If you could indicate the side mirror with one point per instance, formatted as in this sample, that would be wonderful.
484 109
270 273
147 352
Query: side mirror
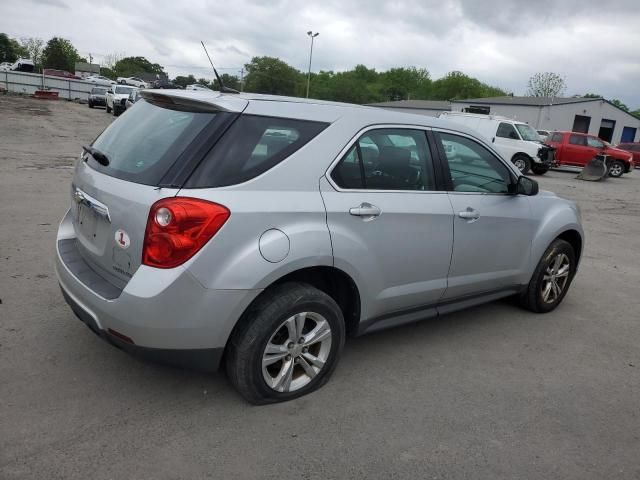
526 186
493 140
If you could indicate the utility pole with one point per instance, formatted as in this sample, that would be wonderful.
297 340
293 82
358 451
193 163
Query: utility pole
90 59
312 35
241 80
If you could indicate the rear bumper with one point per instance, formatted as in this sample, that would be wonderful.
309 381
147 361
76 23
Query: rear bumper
166 313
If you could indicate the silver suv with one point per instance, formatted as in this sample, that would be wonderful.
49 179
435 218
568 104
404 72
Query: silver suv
263 230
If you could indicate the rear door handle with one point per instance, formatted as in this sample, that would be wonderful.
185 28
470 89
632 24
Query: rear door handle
365 210
469 214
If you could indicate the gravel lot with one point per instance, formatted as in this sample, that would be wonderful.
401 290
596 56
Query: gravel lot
492 392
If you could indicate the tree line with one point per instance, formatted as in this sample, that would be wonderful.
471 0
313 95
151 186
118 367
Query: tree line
271 75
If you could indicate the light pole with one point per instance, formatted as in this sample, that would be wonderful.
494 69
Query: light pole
312 35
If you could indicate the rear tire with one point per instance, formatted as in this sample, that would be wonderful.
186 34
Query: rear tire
539 169
90 105
617 169
551 279
522 163
107 108
264 361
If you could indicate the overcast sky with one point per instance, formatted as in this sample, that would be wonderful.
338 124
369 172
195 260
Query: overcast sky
595 45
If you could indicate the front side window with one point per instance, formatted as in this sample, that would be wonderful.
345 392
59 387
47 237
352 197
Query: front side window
594 142
506 130
527 132
473 168
578 140
251 146
556 138
387 159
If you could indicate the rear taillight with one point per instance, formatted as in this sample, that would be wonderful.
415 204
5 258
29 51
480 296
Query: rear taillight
178 227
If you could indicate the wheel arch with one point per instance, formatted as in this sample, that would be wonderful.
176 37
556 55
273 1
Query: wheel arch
331 280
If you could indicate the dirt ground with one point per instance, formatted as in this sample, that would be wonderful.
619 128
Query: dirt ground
492 392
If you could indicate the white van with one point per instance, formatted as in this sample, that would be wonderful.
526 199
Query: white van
515 141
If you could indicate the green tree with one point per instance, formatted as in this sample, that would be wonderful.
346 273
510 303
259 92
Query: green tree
10 49
183 81
272 75
132 66
405 83
636 113
591 95
619 104
545 84
230 81
59 53
457 85
32 46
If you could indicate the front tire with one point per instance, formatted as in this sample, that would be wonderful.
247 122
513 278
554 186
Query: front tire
107 108
286 345
539 169
522 163
551 278
617 169
90 105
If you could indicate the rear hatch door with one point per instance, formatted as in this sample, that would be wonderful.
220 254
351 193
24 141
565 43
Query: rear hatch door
150 151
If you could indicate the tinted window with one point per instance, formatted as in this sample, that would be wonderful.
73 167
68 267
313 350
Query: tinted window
578 140
474 168
556 137
251 146
387 159
144 143
506 130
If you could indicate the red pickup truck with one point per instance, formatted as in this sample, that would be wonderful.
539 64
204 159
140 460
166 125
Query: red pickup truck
577 149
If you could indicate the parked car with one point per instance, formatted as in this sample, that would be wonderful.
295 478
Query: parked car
23 65
163 83
133 98
577 149
100 80
98 97
5 66
634 149
117 97
60 73
133 81
196 86
276 235
515 141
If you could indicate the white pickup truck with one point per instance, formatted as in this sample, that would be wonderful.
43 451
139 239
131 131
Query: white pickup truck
133 81
116 98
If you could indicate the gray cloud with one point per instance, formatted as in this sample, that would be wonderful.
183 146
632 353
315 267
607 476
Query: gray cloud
502 42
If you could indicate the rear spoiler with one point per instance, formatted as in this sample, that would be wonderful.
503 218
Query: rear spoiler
195 101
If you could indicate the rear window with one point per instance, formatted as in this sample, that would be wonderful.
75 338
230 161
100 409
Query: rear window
127 90
251 146
143 144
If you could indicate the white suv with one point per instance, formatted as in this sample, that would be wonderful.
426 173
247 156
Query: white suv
515 141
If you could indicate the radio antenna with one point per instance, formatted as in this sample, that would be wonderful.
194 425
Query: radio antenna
223 89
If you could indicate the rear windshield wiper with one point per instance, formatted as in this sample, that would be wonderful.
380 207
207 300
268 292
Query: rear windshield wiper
100 157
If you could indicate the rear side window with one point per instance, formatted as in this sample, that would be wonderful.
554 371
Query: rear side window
578 140
556 137
143 144
251 146
387 159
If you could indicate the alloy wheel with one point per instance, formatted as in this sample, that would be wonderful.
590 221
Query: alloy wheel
296 352
555 279
616 170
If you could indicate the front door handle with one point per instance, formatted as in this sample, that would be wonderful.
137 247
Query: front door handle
365 210
469 214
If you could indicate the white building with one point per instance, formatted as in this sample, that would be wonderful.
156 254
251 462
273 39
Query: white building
587 115
595 116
